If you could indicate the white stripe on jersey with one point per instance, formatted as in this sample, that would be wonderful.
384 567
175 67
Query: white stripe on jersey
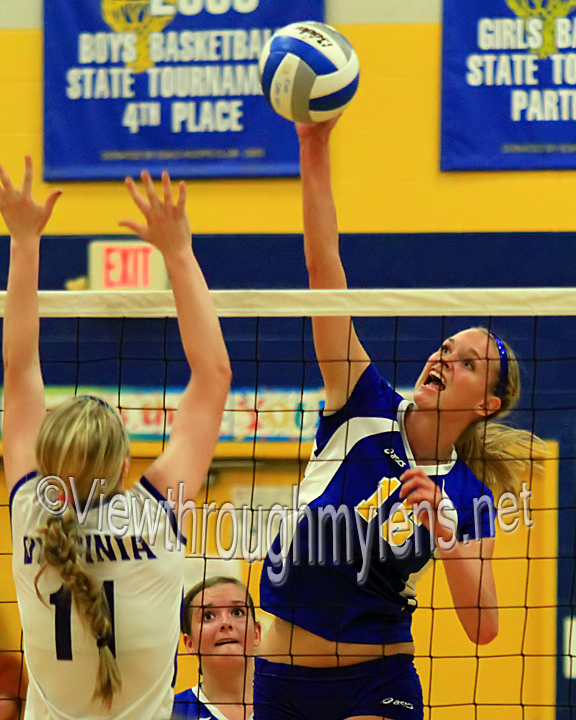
432 469
322 468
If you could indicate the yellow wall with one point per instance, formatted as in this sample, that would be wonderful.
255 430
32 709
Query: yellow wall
385 157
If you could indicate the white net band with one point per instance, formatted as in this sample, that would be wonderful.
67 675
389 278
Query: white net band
471 302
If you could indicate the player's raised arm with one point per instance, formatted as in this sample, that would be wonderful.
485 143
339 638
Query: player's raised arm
197 421
341 356
24 405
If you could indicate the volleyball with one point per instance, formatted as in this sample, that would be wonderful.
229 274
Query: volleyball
309 72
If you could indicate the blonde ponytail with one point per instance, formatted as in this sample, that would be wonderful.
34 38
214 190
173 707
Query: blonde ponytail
499 454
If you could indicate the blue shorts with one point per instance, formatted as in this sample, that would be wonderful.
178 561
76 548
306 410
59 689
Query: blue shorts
387 687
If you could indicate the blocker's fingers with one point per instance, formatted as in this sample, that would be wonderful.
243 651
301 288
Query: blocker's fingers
182 196
149 187
168 200
134 227
5 180
28 174
51 201
137 196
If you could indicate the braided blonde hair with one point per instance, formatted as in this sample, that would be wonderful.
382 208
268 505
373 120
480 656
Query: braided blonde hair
498 454
84 439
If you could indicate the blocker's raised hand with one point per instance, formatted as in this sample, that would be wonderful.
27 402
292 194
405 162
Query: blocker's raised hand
24 217
167 226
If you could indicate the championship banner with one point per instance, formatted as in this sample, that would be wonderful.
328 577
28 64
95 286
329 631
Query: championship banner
509 85
163 85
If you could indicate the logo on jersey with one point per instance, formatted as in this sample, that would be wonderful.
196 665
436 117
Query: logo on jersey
391 701
397 460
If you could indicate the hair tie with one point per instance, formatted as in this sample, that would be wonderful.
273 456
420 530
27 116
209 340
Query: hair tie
503 376
102 641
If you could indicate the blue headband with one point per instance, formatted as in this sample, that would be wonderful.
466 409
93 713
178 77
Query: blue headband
503 376
97 399
108 406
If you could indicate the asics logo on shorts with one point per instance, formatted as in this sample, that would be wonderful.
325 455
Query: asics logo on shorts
391 701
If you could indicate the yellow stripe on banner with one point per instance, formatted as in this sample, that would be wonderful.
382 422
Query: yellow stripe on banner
231 450
237 450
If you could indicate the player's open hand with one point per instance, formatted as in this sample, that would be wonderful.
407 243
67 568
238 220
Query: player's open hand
24 218
167 226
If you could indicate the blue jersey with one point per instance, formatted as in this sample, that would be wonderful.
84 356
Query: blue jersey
344 565
192 704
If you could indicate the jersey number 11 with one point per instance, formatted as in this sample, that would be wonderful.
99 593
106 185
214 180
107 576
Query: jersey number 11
62 601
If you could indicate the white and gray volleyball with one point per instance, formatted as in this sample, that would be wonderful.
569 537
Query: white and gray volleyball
309 72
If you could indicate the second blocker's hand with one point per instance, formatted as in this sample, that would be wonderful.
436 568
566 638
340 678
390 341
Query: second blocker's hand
24 217
167 228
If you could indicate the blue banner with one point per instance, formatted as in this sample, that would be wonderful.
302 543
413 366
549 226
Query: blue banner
163 84
509 85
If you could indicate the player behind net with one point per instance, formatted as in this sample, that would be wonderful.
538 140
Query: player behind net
99 600
340 644
219 625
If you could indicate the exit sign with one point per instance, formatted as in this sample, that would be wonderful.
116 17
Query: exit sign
125 265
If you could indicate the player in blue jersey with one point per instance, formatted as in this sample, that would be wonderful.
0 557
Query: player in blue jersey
219 625
388 482
99 591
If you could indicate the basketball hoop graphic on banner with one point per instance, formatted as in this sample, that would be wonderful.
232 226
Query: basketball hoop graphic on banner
133 17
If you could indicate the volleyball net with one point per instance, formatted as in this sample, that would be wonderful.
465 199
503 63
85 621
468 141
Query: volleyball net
125 347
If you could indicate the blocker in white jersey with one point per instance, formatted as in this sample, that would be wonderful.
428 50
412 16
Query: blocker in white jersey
142 578
98 567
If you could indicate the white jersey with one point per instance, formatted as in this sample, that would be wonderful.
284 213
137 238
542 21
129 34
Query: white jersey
142 574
